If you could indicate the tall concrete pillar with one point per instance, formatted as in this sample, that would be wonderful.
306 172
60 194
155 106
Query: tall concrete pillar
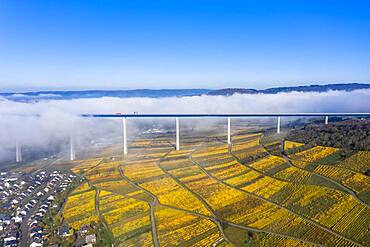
72 153
326 120
278 125
228 130
18 152
124 136
177 133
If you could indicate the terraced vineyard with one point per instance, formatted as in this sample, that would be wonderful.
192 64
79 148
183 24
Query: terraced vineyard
212 194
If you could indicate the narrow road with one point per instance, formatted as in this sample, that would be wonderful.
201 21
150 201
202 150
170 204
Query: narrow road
277 205
152 205
25 239
347 190
97 210
222 221
216 220
289 161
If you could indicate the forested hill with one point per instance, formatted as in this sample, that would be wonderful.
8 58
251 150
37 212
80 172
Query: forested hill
309 88
350 134
160 93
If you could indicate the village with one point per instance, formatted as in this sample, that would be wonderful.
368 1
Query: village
28 204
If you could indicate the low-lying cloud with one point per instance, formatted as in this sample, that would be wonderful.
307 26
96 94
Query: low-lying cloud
57 119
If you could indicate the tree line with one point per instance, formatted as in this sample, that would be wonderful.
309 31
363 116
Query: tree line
349 134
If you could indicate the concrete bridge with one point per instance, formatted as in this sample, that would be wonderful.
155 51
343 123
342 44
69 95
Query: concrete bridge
227 116
177 118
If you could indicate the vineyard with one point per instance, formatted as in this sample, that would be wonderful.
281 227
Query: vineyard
80 209
212 194
128 219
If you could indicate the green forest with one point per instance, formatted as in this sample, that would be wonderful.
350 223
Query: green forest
349 134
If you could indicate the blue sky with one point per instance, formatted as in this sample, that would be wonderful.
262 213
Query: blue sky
125 44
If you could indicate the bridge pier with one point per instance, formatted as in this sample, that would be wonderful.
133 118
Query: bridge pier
228 130
326 120
72 153
124 136
278 125
18 152
177 133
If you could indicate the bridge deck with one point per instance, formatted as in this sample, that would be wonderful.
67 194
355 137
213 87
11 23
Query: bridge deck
226 115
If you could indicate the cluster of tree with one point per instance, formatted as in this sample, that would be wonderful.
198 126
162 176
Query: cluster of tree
349 134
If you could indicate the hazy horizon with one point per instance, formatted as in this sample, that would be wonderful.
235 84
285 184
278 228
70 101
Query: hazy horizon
24 90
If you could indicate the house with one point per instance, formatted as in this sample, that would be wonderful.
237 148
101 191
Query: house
90 239
36 229
36 235
85 228
34 223
64 231
40 214
7 206
11 243
35 244
6 219
11 179
10 238
17 219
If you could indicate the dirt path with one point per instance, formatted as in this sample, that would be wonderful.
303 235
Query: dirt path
347 190
344 188
101 217
214 218
277 205
223 221
152 205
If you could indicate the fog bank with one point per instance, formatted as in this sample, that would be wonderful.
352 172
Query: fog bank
59 118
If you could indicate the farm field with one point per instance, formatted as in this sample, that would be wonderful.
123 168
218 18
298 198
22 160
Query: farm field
212 194
79 209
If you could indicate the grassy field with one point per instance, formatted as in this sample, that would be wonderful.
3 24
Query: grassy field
211 194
